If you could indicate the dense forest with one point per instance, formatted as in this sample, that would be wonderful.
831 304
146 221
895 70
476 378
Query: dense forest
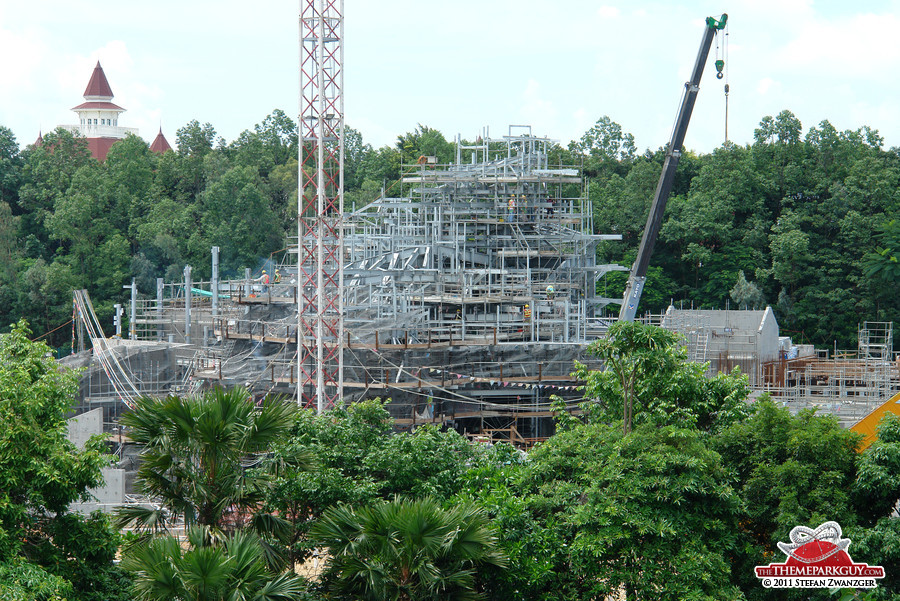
804 223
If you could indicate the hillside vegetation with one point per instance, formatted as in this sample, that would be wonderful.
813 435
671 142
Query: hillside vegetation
805 223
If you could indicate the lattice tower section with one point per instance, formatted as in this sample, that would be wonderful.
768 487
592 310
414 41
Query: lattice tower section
320 204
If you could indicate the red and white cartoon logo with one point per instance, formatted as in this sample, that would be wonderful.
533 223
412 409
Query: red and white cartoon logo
818 559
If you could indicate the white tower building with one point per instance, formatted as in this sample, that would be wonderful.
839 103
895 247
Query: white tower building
99 117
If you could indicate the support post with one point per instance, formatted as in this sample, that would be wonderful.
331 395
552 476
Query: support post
214 284
159 308
132 311
117 320
187 304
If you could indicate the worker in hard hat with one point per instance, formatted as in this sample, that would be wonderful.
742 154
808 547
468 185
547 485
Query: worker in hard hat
527 311
264 280
277 277
550 292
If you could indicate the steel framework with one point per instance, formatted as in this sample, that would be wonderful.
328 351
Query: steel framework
320 205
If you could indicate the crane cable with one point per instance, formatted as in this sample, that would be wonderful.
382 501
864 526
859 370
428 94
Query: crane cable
722 72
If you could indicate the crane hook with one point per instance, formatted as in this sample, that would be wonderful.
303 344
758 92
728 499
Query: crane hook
720 64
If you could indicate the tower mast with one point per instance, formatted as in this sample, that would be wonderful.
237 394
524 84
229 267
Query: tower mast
320 205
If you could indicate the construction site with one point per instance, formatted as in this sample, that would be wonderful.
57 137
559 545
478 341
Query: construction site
465 298
466 302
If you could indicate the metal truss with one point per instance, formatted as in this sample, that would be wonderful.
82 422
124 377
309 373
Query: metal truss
320 205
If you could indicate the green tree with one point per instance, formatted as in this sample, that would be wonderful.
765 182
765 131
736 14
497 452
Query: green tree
194 458
879 545
877 485
10 255
425 141
236 217
281 187
647 378
24 581
382 167
164 233
46 178
358 461
10 167
790 251
780 151
535 548
746 294
652 513
883 264
207 570
790 470
129 179
621 205
630 351
408 550
41 473
719 228
605 147
194 142
355 153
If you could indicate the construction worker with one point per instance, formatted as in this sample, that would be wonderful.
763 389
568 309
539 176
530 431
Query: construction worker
277 277
527 312
264 280
550 292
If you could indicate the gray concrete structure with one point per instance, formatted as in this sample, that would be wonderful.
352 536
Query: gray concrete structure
112 493
728 339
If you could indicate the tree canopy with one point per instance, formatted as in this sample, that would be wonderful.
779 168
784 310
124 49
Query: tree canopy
59 554
794 213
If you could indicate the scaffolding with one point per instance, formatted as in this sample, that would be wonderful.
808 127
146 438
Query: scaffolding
466 299
849 384
472 291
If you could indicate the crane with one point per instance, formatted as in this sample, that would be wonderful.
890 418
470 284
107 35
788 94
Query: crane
638 275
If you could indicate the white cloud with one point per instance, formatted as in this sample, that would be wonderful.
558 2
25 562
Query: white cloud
764 85
862 46
608 12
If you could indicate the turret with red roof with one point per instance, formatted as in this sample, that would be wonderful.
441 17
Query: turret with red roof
99 118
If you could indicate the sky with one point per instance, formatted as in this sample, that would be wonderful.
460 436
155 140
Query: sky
460 66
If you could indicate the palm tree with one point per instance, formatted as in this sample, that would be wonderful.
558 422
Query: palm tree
205 459
233 569
408 550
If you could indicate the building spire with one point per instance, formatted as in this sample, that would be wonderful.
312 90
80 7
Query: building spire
98 87
160 144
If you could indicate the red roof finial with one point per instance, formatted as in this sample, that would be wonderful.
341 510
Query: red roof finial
98 86
160 144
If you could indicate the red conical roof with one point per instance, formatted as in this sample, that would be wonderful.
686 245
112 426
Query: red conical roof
160 144
98 85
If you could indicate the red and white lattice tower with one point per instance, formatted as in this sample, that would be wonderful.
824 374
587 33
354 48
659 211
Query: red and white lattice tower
321 204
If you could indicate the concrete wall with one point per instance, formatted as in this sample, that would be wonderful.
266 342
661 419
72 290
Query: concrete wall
744 339
112 493
82 427
768 337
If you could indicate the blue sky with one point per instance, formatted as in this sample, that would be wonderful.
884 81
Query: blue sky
459 66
